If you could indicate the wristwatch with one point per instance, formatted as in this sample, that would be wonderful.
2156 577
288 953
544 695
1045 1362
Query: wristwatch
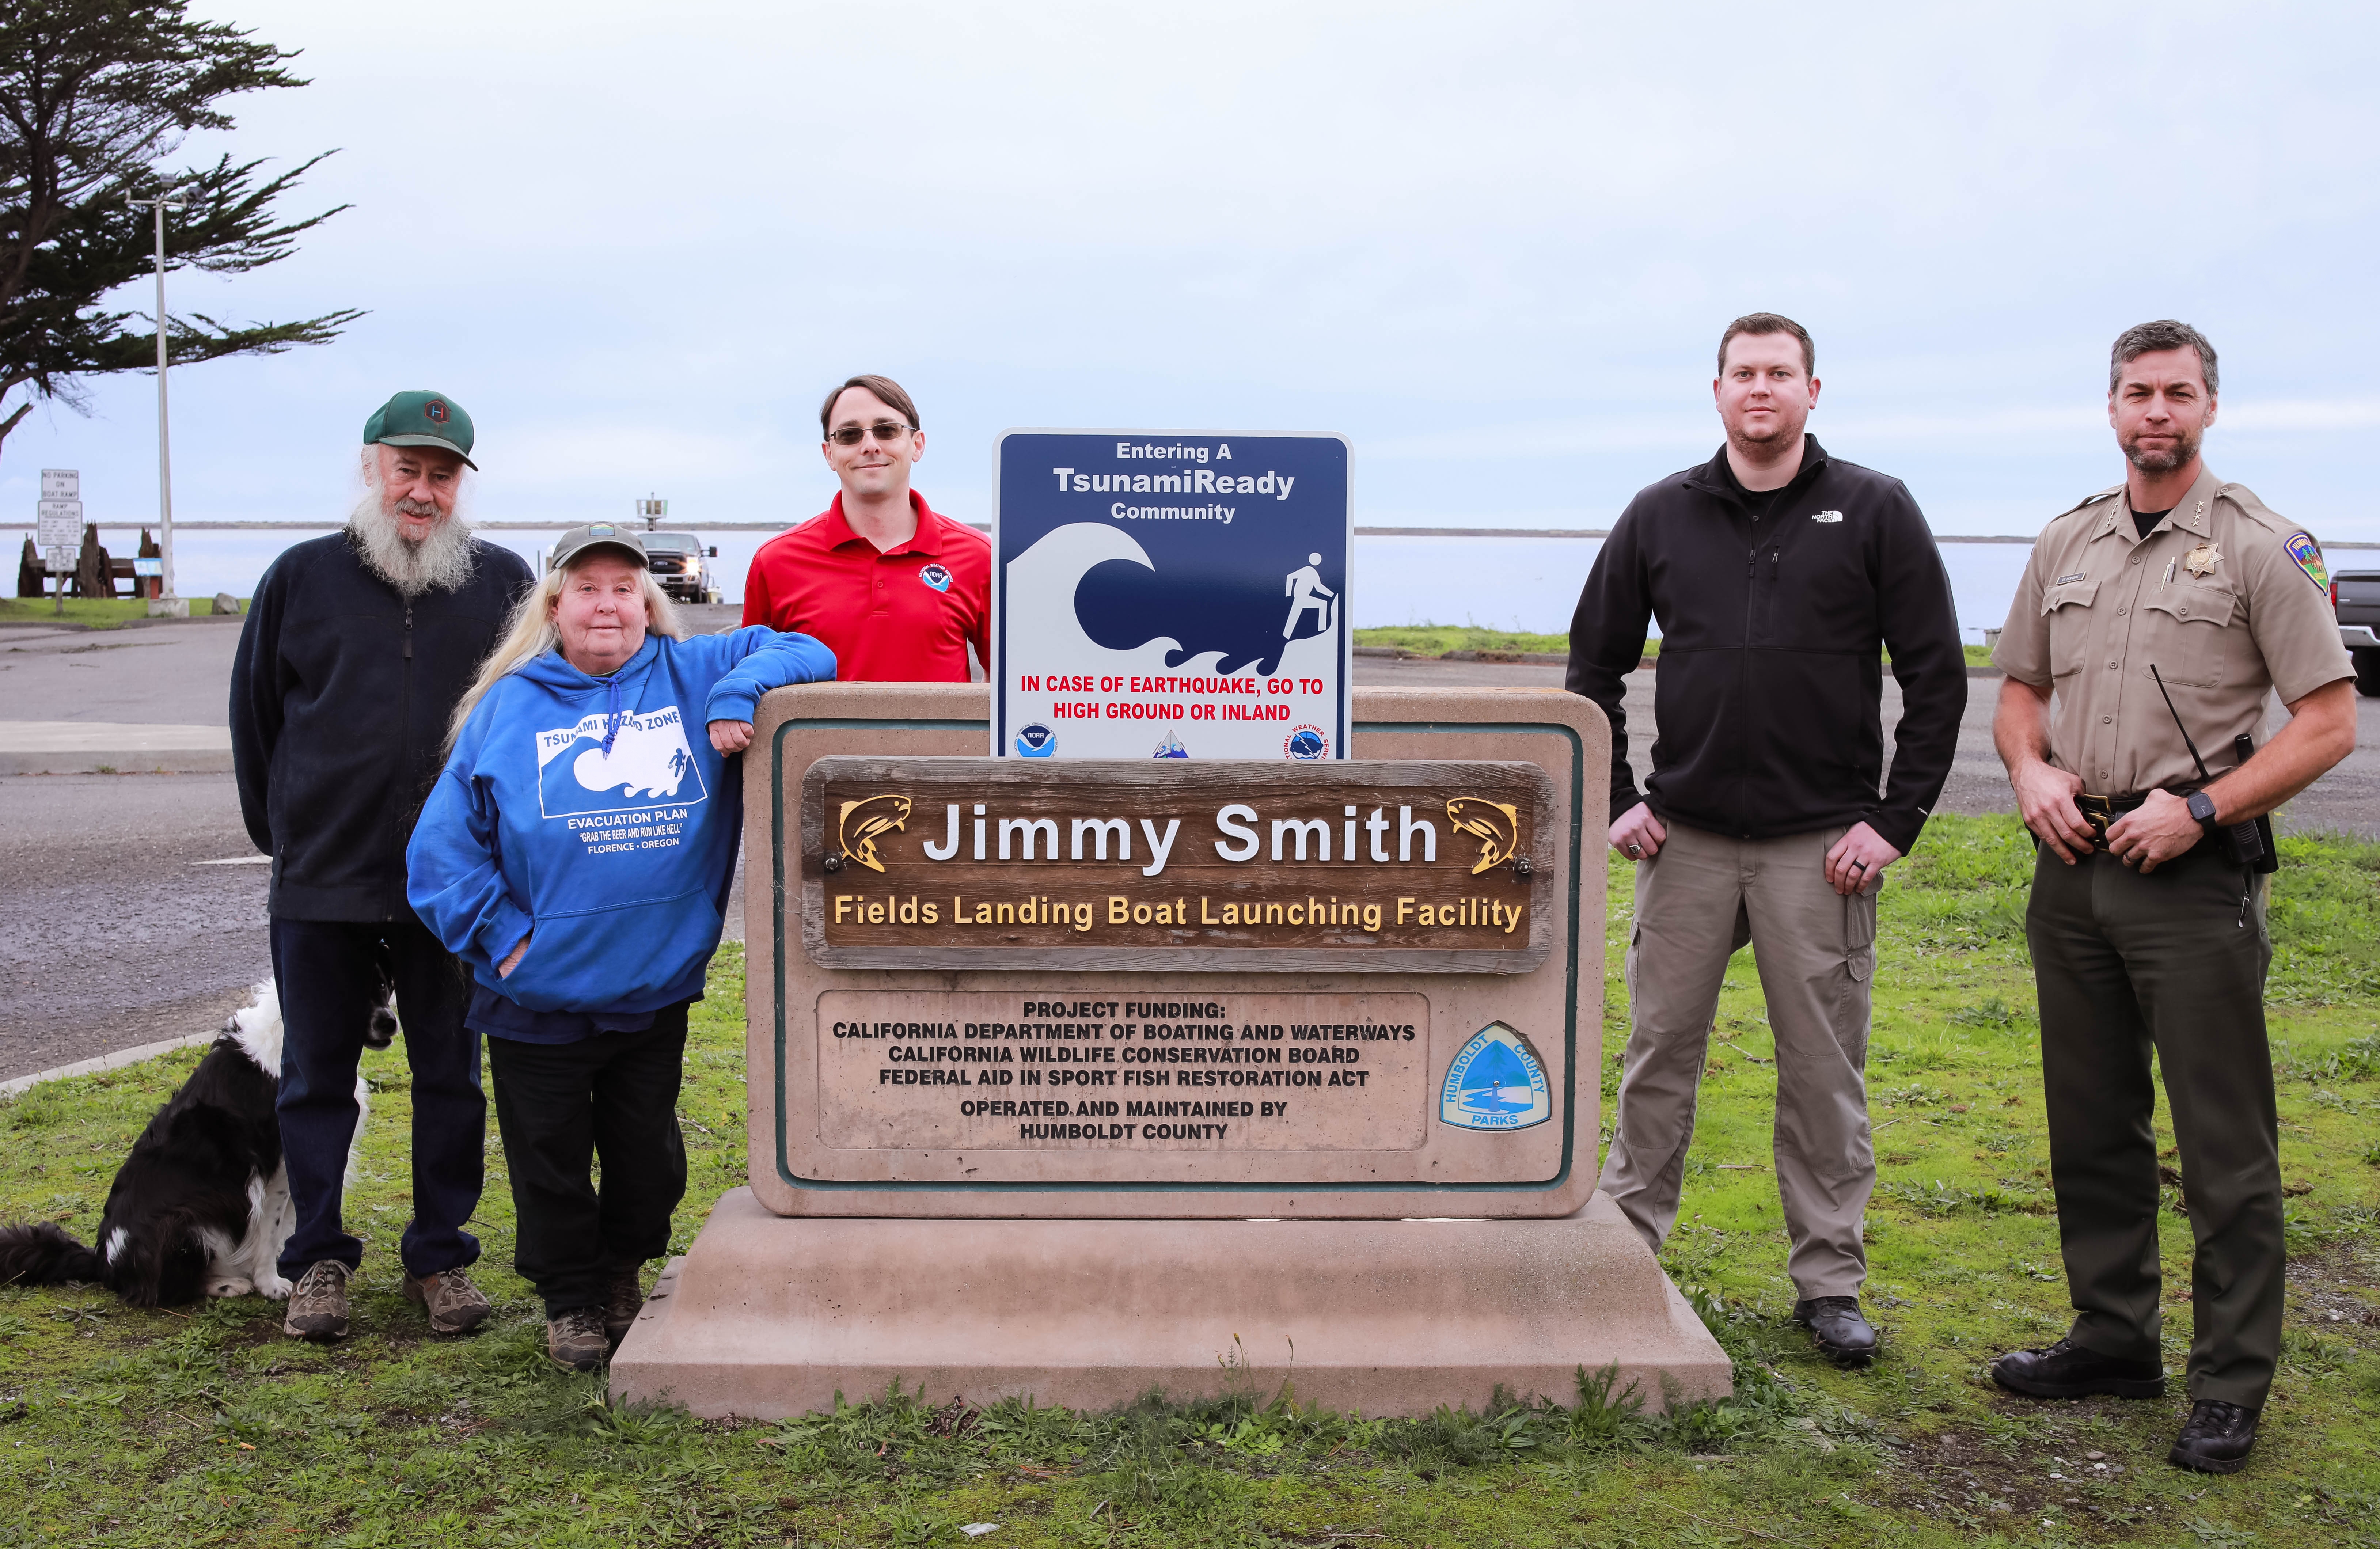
2202 808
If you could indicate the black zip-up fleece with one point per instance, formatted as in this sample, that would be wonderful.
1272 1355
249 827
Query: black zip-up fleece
1773 632
340 695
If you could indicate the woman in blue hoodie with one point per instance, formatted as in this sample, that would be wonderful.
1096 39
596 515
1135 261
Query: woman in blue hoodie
576 853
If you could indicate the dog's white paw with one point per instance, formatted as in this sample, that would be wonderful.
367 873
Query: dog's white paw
229 1286
274 1287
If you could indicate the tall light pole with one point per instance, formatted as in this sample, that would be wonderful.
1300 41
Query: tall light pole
161 203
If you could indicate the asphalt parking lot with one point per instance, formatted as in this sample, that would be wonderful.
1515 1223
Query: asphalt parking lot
132 905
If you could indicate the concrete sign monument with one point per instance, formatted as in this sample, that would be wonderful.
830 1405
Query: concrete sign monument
1171 593
1074 1078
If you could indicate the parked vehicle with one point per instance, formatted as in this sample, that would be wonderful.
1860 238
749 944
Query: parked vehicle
2355 598
677 560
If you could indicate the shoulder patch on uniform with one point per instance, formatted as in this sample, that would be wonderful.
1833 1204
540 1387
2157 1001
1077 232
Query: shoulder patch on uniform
2301 546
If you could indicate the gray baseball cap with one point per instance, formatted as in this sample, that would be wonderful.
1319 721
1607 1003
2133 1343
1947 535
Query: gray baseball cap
597 535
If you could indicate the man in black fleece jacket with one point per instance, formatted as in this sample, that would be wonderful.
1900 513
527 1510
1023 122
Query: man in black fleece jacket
355 652
1780 579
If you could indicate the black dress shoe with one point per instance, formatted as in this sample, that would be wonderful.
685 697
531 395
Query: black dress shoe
2067 1371
1842 1334
2216 1438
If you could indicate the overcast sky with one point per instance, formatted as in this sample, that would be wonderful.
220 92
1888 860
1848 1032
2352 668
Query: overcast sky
1493 245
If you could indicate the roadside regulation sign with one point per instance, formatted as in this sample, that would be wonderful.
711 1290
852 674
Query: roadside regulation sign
1171 593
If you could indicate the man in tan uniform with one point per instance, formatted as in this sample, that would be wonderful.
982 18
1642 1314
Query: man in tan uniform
2146 931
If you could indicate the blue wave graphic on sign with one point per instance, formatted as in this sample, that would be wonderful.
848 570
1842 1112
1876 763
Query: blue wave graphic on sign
1123 605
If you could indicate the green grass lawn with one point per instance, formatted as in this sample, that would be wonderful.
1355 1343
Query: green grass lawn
1431 639
97 612
203 1426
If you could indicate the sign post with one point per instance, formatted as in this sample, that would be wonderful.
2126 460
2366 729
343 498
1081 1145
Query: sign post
1171 593
59 516
1084 1077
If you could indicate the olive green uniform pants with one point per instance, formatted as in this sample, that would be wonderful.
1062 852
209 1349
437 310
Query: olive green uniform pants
1697 902
2170 961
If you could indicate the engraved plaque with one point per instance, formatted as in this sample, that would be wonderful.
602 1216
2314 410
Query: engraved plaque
1123 1073
993 862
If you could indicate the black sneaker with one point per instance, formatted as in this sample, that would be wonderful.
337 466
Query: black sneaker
2216 1438
2067 1371
1842 1334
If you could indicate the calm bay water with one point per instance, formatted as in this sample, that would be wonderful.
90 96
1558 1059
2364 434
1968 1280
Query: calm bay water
1495 582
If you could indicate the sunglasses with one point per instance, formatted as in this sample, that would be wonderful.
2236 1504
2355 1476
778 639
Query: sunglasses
886 430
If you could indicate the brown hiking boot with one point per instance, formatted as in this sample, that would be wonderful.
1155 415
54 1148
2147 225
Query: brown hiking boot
623 1299
317 1304
576 1339
455 1306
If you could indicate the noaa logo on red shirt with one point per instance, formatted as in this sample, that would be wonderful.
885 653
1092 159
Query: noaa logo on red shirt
936 576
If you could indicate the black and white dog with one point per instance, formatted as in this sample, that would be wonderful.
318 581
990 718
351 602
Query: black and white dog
202 1204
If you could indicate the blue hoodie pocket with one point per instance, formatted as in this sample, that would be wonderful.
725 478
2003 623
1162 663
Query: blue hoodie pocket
634 957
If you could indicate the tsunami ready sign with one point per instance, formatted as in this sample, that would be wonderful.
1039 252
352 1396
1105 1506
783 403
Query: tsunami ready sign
1171 593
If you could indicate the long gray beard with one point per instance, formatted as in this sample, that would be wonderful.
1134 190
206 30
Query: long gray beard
441 561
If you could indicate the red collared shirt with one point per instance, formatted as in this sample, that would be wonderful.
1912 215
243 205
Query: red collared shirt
905 615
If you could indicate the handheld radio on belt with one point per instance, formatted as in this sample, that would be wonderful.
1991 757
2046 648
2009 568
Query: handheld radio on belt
2248 844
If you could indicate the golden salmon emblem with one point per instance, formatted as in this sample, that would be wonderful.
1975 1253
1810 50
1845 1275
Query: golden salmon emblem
1496 825
878 816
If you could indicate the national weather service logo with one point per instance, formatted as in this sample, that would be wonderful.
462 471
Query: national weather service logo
936 576
1496 825
862 823
1496 1083
1306 744
1036 740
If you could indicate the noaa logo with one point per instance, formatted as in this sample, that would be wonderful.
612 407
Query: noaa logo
434 412
1306 744
1496 1083
1036 742
936 576
1170 746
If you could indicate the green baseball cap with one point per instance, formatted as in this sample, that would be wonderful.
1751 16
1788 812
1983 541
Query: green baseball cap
421 418
597 535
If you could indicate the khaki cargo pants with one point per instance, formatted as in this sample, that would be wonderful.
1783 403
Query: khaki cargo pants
1698 900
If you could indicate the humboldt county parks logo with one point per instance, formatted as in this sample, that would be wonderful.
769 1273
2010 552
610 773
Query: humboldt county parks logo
1496 1083
1306 744
861 824
2301 546
1496 825
1036 740
936 576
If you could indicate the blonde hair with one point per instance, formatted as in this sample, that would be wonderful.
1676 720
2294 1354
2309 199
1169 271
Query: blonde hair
531 632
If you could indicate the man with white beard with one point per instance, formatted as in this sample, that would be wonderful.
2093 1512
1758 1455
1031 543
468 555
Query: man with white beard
355 651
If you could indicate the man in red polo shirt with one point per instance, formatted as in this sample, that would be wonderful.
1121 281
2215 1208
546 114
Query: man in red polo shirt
896 591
